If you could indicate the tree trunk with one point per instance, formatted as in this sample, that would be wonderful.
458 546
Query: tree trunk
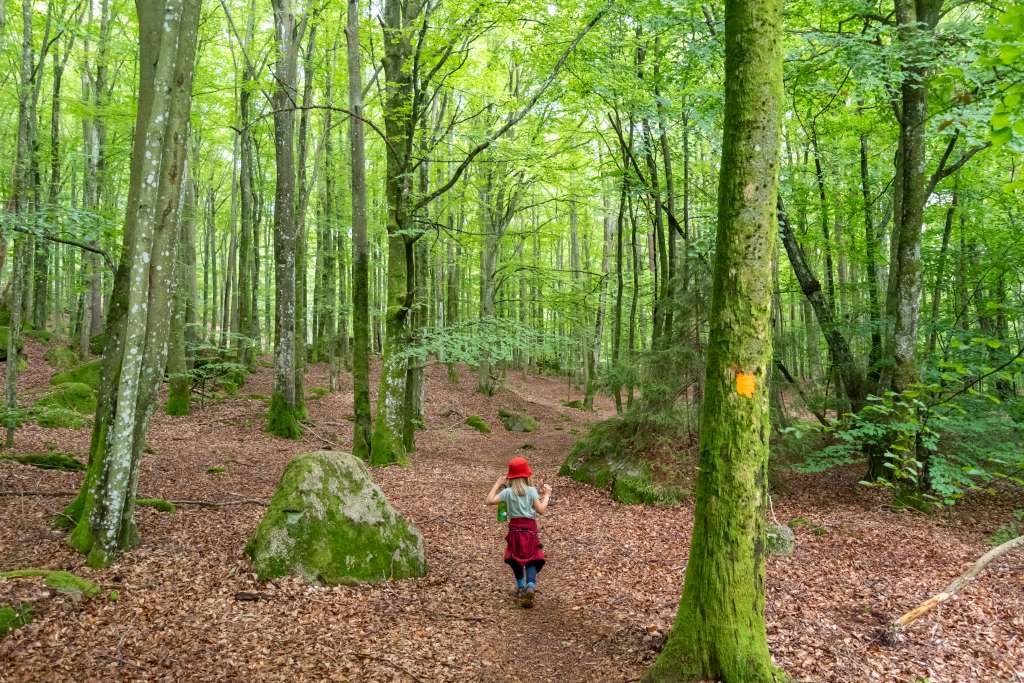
136 351
179 393
360 245
285 410
719 631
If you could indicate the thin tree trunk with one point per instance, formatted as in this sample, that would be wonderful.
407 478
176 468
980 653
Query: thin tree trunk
363 427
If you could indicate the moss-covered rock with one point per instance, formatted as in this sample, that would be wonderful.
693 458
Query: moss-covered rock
4 334
59 580
61 357
51 460
317 392
479 424
87 373
60 418
634 458
779 539
329 523
14 617
517 422
75 396
97 342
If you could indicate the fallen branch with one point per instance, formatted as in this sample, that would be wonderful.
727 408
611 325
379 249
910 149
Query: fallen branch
308 428
201 503
958 584
216 504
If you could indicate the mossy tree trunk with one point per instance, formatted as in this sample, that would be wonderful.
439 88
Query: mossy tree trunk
360 245
399 16
719 631
179 394
285 408
138 322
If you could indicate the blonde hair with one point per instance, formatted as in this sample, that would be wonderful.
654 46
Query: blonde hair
519 485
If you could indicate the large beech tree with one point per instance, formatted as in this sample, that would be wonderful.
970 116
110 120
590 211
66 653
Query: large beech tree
139 318
719 631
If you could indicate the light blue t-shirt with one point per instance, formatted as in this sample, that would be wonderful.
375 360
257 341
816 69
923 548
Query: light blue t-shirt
520 506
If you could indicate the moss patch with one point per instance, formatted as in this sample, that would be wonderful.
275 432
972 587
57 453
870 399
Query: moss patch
59 580
576 404
479 424
636 456
517 422
75 396
61 357
60 418
281 420
329 523
51 460
215 470
97 342
4 334
14 617
317 392
87 373
43 336
158 504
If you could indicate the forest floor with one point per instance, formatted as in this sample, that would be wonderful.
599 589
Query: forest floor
606 597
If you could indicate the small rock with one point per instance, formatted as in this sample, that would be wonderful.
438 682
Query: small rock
779 539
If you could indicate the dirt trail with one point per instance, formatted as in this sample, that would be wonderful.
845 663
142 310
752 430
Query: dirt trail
606 596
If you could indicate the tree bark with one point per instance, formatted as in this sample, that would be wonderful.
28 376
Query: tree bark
285 408
719 631
360 245
136 350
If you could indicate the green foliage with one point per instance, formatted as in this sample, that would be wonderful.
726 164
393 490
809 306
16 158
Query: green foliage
317 392
59 580
939 440
41 336
48 460
1006 59
501 339
71 395
479 424
87 373
215 470
14 616
157 504
61 357
1008 531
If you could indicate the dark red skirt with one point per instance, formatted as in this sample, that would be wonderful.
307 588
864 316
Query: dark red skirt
522 543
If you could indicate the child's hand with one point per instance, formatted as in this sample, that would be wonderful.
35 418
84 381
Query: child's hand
547 489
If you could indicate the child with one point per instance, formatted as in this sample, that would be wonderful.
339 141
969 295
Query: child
523 550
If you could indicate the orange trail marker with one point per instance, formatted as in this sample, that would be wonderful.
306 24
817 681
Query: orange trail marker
745 383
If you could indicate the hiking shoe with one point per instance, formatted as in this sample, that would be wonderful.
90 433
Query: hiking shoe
526 601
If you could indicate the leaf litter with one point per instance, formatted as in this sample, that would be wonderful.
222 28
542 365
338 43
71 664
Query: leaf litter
185 604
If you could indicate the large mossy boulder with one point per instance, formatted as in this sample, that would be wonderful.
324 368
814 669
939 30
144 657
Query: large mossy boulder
517 422
75 396
87 373
330 524
634 456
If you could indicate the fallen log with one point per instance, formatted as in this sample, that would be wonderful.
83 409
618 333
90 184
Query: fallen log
959 583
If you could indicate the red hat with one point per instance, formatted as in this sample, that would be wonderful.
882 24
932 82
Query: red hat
518 467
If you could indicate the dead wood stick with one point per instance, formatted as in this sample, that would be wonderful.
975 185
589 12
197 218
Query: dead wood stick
201 503
957 584
309 428
45 494
220 504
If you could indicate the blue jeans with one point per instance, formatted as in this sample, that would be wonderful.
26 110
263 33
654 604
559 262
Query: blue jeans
530 574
